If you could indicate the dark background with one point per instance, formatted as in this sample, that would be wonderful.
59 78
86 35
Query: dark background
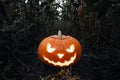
24 25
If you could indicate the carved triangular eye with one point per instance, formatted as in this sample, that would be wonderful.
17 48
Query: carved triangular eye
71 49
49 48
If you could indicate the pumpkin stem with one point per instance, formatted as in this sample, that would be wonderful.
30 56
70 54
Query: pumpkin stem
59 34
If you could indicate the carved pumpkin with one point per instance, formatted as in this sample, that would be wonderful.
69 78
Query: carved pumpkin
59 50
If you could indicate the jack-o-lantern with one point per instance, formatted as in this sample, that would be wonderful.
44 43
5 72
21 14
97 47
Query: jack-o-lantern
59 50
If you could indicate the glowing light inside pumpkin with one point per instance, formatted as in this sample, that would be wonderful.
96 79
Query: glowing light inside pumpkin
65 63
71 49
49 49
60 55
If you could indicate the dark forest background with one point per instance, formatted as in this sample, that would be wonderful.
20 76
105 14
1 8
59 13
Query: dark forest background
95 23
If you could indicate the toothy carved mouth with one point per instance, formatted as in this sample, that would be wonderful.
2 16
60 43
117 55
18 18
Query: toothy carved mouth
65 63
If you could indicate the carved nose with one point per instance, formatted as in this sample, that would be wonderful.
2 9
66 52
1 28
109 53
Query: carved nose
60 55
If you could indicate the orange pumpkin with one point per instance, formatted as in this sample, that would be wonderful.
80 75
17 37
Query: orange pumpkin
59 50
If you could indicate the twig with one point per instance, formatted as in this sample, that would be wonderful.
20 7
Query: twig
20 61
4 77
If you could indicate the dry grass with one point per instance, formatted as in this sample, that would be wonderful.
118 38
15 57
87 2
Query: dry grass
63 74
